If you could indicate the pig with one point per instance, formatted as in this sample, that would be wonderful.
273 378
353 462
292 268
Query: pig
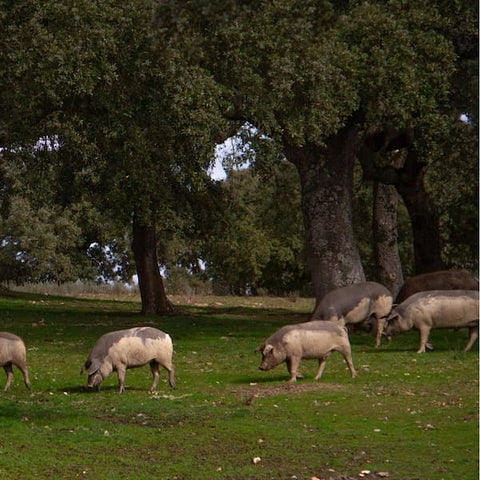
440 280
356 303
436 309
13 352
124 349
309 340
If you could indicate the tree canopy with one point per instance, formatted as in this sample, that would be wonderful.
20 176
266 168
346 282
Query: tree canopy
110 112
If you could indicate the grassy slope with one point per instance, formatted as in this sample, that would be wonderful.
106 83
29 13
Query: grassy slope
413 416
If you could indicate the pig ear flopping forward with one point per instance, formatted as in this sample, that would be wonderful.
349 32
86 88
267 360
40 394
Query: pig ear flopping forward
90 367
264 349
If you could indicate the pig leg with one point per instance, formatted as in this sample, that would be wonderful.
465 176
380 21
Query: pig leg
23 368
292 365
347 355
9 371
473 336
321 367
155 373
380 327
424 333
171 376
121 379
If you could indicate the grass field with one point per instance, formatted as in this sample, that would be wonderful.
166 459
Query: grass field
405 416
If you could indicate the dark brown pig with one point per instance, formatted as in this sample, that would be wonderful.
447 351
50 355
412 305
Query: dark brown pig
310 340
357 303
436 309
13 352
440 280
124 349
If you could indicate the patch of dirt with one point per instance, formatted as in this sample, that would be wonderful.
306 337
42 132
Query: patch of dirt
248 394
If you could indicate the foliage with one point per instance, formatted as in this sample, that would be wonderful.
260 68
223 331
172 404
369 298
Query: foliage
258 241
130 97
224 411
453 180
131 121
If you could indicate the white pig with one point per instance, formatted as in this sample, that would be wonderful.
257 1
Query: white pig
13 352
436 309
309 340
124 349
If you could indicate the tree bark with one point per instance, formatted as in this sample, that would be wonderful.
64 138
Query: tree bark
385 233
424 219
326 176
409 181
150 282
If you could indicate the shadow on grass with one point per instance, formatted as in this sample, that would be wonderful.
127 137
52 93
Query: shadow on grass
92 391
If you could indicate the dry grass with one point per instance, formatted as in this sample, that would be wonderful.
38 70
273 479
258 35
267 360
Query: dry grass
121 292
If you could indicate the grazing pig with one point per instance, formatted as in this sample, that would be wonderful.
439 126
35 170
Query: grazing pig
13 352
124 349
440 280
355 304
436 309
310 340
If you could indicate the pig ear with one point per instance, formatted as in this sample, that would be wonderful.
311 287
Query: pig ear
267 349
92 367
259 349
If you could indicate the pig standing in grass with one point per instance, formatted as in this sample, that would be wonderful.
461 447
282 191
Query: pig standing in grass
13 352
124 349
436 309
355 304
310 340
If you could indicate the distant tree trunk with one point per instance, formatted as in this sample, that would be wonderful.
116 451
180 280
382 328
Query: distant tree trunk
385 233
423 217
150 282
409 182
326 176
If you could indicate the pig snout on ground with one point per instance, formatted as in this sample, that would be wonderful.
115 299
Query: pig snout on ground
13 352
310 340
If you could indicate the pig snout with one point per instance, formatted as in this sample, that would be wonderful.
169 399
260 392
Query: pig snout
94 381
263 367
266 364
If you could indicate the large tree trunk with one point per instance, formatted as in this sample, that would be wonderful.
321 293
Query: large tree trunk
326 176
385 233
424 219
152 291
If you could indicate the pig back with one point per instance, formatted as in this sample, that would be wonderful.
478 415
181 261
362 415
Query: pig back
439 280
11 346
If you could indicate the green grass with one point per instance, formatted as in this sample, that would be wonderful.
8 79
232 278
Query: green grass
413 416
